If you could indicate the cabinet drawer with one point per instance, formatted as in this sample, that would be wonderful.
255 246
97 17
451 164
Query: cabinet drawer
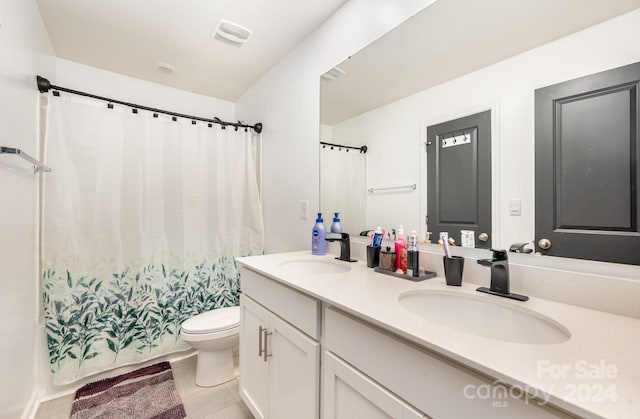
298 309
432 383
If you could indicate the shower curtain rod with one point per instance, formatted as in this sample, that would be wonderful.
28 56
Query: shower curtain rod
44 86
362 149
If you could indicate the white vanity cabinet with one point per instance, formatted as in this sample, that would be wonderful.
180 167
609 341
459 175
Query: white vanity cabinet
367 371
254 370
279 360
341 345
350 394
431 383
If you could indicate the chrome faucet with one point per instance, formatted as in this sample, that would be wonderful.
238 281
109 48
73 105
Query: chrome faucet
345 245
499 265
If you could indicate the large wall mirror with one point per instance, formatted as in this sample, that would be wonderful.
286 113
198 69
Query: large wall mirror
453 59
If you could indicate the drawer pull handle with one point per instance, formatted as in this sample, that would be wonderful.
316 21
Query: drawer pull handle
260 349
262 343
265 355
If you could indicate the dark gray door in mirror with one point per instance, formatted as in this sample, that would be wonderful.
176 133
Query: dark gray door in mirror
587 167
459 178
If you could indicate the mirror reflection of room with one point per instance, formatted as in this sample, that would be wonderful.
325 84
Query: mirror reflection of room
388 94
343 183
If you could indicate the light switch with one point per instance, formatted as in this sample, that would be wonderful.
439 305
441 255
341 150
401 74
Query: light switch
515 207
304 209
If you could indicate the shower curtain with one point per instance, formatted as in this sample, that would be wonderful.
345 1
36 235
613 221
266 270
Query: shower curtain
142 218
342 188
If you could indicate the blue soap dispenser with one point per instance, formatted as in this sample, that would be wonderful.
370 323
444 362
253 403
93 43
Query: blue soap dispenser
319 234
336 226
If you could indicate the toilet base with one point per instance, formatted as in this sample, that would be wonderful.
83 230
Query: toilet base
214 367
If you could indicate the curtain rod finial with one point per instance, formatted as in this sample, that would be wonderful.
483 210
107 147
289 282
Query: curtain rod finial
258 127
43 84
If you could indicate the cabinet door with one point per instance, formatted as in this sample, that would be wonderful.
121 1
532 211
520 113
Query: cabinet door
350 394
294 376
588 167
253 368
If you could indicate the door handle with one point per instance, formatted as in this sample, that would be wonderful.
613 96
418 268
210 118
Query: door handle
544 244
483 237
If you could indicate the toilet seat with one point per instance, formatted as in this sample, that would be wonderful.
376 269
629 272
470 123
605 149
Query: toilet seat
214 321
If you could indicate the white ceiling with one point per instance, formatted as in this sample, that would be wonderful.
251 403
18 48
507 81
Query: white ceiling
451 38
131 36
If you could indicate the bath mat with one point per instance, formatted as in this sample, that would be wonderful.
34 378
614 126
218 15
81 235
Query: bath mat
141 394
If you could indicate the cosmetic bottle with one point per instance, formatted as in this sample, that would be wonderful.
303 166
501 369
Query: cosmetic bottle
336 226
377 237
413 262
401 250
319 234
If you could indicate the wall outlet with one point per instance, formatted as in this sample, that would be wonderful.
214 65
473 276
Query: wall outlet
304 209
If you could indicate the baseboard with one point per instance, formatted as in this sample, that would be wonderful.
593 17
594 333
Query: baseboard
32 406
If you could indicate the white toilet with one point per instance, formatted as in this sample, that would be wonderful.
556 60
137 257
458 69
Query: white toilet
214 333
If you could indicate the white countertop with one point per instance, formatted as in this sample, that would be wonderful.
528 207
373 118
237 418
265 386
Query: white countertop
595 373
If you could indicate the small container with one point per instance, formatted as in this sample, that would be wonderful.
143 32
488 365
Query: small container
373 256
453 267
336 226
388 260
318 236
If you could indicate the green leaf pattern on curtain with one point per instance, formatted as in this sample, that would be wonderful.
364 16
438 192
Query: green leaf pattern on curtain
137 310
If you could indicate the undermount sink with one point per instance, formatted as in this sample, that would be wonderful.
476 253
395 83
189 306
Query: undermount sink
481 315
314 267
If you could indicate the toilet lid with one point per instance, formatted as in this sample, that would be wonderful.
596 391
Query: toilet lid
213 321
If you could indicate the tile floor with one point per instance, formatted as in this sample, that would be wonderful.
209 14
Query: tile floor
219 402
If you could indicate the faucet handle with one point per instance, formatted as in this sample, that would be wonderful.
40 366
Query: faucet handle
499 255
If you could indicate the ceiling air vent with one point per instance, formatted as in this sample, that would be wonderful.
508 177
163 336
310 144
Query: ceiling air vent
232 33
333 74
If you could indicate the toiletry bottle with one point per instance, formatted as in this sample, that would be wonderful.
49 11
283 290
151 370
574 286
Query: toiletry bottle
401 250
413 263
377 237
336 226
318 242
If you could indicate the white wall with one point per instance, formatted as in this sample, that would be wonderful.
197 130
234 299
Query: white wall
510 86
25 51
117 86
287 101
326 133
